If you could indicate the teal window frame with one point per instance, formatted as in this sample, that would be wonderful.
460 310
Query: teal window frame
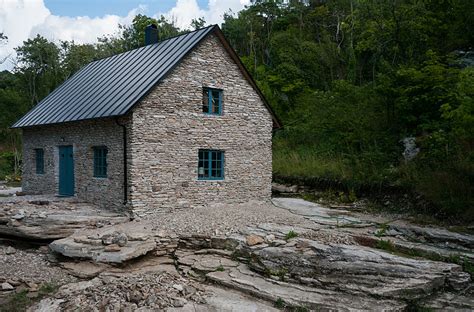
100 161
211 97
211 164
39 159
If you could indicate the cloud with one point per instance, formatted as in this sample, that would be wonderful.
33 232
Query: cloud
23 19
186 10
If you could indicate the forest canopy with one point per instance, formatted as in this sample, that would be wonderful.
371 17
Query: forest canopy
350 79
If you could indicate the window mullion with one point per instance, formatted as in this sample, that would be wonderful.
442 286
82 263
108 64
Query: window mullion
209 172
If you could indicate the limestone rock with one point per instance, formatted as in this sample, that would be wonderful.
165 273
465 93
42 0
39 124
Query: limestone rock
359 269
7 286
59 219
117 238
254 240
312 298
10 250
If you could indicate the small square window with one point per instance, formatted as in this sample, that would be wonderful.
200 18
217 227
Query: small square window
211 165
100 162
212 101
39 157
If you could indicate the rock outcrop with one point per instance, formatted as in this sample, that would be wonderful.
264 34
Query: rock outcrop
51 219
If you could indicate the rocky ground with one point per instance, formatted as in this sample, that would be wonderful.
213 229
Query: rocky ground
287 255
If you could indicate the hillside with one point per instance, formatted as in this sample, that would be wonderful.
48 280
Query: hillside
350 80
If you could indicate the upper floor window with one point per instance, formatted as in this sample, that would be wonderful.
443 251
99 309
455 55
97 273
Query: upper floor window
39 157
211 165
212 101
100 161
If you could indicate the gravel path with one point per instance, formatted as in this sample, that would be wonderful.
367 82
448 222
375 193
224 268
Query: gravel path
224 219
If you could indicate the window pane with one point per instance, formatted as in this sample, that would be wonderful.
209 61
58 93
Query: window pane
205 101
215 102
100 162
39 159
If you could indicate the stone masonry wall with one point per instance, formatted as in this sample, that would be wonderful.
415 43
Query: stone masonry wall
83 135
168 128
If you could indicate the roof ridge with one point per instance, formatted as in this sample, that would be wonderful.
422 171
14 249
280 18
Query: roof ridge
159 42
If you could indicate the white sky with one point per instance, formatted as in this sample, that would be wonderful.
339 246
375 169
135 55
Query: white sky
23 19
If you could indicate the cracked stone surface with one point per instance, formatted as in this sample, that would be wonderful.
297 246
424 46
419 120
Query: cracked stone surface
48 218
94 244
300 253
243 279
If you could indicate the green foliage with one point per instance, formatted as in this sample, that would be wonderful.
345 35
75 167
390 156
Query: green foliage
349 80
7 164
291 234
385 245
280 303
20 301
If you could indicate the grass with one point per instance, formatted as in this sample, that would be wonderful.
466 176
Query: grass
220 269
383 229
466 264
20 301
291 234
280 303
441 189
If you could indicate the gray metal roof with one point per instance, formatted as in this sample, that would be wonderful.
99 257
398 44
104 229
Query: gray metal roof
111 86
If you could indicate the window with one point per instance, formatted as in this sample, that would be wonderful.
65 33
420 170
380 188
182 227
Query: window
39 156
212 101
100 162
211 165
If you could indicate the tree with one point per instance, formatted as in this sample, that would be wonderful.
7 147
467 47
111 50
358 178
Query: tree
39 67
198 23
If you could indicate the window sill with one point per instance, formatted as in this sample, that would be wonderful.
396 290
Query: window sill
211 180
212 114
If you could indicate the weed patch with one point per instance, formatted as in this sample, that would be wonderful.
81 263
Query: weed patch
291 234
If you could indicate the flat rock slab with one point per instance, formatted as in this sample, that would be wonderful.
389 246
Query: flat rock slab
320 214
436 235
48 219
359 269
204 262
134 249
89 244
227 300
451 301
242 279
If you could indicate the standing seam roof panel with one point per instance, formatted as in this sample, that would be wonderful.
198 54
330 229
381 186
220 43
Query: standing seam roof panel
135 77
79 97
135 96
101 83
86 87
144 76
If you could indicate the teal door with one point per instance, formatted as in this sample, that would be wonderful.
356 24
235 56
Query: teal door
66 171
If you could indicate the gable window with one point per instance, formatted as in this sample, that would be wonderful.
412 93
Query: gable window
212 101
211 165
100 161
39 157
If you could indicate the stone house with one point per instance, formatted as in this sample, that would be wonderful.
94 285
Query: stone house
174 124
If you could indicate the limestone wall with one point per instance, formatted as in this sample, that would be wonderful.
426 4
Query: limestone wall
82 136
168 128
